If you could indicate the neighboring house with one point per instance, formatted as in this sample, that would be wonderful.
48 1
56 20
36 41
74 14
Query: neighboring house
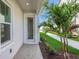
75 19
18 25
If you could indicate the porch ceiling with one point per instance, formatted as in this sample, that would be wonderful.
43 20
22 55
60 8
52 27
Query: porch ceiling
30 5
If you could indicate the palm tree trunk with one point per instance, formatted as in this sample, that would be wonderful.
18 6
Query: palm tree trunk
65 49
66 55
61 39
61 44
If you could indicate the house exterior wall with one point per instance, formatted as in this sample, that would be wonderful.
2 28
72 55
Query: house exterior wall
66 1
77 19
17 32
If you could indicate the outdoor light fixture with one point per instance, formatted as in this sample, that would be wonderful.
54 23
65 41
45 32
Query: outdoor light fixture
27 3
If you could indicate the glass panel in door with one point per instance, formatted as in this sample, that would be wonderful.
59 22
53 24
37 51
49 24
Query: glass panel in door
30 28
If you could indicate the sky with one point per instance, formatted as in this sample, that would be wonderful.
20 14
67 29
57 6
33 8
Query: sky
42 16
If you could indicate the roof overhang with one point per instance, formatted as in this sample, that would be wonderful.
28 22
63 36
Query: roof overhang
30 6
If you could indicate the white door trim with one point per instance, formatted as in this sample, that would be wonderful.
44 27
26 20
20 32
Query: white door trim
26 40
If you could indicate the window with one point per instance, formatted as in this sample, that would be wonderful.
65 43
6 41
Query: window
30 28
5 32
5 20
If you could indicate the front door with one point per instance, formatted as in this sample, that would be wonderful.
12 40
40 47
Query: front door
29 30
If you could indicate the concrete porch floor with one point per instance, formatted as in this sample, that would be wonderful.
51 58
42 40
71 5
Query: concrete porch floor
29 52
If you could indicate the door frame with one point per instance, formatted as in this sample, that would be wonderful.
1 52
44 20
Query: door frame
26 40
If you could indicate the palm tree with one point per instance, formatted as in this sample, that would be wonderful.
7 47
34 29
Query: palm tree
62 17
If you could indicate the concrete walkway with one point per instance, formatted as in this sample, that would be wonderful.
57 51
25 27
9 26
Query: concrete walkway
71 43
29 52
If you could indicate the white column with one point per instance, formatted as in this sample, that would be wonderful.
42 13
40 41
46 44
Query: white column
37 29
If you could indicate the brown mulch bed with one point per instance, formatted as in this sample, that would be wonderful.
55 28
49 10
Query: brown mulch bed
46 54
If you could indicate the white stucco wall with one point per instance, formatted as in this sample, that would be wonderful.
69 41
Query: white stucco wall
66 1
77 19
17 37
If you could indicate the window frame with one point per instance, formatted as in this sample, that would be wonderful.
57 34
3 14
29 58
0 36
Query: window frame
6 43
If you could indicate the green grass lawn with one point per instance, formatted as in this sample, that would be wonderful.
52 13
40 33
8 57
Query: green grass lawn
56 45
72 38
